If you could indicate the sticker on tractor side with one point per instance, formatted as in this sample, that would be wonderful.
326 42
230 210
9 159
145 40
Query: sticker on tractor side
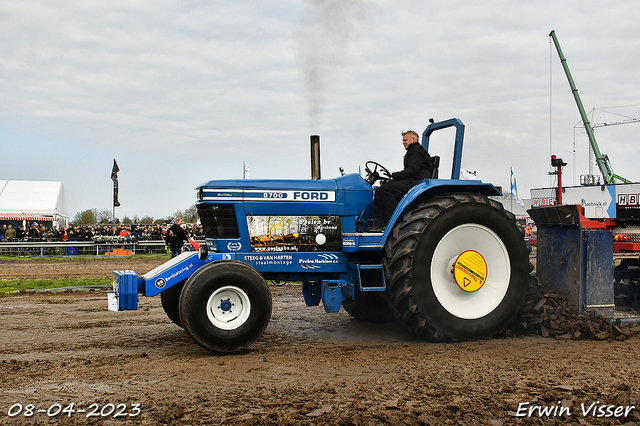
470 271
234 246
294 233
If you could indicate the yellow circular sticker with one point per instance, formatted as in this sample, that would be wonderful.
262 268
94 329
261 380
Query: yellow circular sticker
470 271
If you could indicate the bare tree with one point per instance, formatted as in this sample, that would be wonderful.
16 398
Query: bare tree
146 220
104 216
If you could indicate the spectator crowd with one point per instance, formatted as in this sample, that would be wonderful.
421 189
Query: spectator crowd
99 233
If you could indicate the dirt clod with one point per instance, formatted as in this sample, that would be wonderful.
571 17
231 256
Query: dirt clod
548 314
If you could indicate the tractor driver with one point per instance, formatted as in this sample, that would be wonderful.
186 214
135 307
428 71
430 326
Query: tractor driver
417 167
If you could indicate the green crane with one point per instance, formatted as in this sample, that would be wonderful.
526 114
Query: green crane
601 159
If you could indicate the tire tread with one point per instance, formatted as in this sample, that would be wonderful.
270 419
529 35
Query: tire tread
400 249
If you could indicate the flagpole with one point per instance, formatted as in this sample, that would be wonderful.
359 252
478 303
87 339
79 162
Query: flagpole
113 215
113 203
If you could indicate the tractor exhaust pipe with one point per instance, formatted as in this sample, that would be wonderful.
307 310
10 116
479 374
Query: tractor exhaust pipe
315 156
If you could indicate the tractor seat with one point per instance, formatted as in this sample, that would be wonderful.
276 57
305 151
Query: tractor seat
435 163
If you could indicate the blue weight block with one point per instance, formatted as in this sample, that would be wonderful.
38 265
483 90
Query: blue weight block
125 286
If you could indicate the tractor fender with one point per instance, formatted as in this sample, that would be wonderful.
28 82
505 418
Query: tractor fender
431 188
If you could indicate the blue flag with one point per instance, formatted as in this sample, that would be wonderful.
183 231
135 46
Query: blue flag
514 189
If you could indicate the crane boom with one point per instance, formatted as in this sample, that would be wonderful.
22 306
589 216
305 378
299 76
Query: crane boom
615 123
602 160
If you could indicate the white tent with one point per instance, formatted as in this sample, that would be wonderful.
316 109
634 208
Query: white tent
33 200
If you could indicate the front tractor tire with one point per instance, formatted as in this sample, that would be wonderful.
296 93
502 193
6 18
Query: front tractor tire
171 303
225 306
458 268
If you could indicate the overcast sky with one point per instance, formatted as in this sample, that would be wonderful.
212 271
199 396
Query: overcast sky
182 92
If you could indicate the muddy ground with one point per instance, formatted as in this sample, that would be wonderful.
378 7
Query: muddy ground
64 348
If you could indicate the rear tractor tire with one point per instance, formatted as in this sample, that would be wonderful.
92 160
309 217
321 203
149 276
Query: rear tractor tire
457 268
225 306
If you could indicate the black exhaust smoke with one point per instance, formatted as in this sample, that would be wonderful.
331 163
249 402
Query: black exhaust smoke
315 156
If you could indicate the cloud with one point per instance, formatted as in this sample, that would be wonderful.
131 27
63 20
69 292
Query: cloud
182 92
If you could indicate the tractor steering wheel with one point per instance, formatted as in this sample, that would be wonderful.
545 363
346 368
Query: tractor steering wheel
373 176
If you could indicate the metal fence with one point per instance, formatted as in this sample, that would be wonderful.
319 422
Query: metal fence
88 248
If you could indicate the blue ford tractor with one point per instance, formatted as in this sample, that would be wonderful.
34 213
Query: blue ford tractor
451 264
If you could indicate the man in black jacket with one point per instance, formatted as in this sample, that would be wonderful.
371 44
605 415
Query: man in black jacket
417 166
176 237
20 234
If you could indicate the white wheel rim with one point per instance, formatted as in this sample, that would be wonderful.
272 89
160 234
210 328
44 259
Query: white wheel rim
228 308
456 301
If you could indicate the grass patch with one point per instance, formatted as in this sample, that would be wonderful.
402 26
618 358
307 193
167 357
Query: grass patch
44 284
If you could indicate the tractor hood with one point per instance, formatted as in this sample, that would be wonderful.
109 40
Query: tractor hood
344 196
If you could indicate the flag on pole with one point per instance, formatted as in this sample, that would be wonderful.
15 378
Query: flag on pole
514 189
465 175
114 178
247 171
